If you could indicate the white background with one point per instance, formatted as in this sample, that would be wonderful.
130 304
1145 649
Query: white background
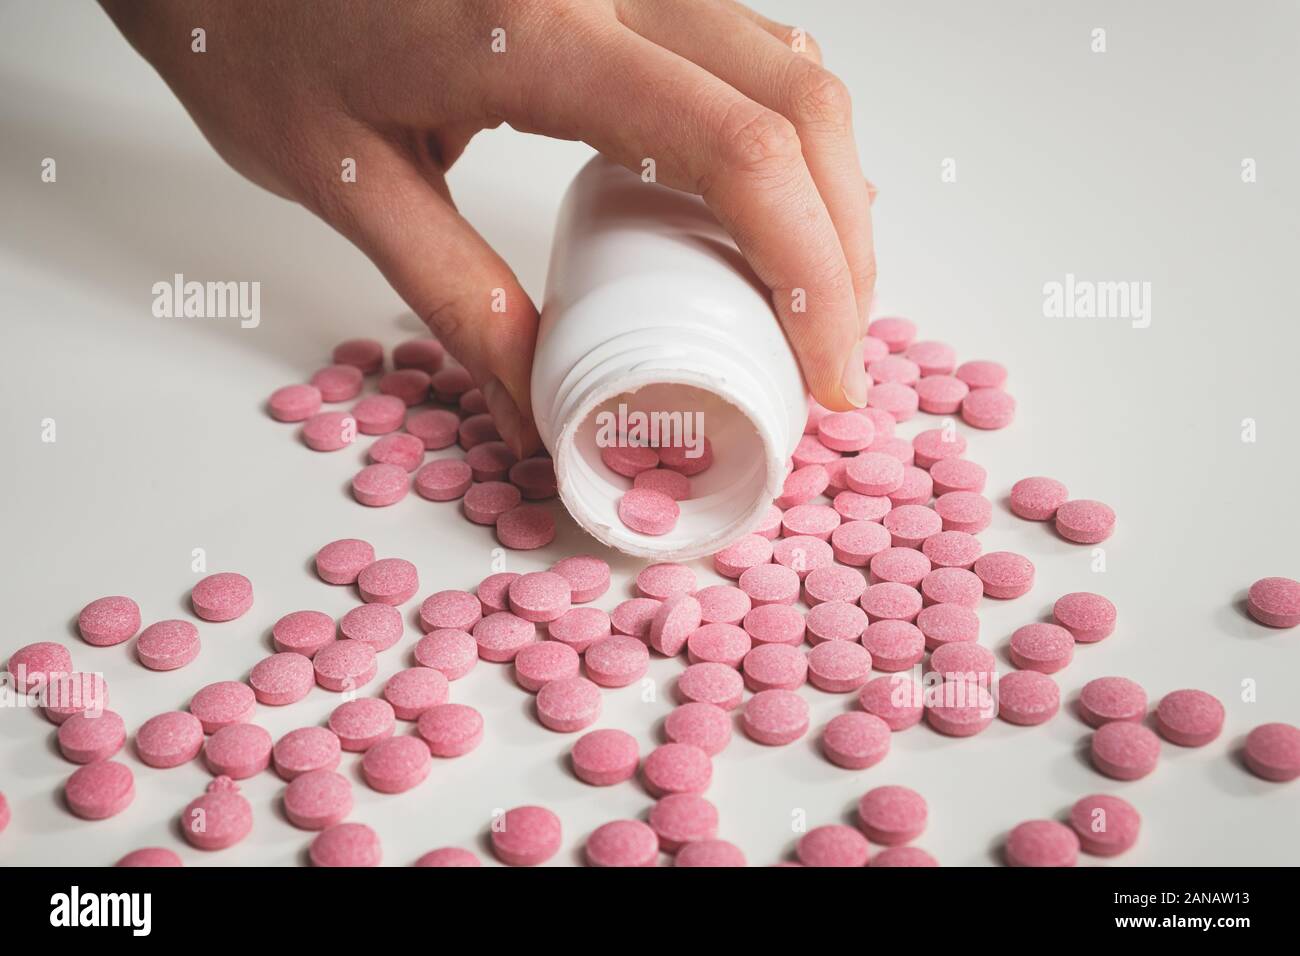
1118 166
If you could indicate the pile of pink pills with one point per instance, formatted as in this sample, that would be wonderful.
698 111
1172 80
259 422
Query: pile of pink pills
660 477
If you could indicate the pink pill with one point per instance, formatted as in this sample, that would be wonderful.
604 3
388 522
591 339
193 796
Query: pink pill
1112 698
964 511
399 449
833 846
1005 574
770 525
1085 522
771 584
238 751
1124 750
629 460
450 382
452 653
111 620
346 845
952 549
451 730
800 553
874 348
281 679
388 581
674 484
32 666
539 596
168 645
891 601
1105 825
845 431
329 431
411 385
338 383
473 402
960 708
294 403
603 758
364 354
487 501
774 667
73 693
982 374
379 414
539 663
676 768
917 488
933 358
723 604
775 717
898 448
1045 648
712 683
874 474
303 632
910 525
413 691
634 617
896 332
360 724
526 528
1028 698
681 460
218 819
856 543
988 408
894 645
804 484
940 394
701 724
1088 617
900 566
535 478
952 586
622 843
1042 843
99 790
835 621
892 814
304 750
450 610
662 581
896 398
86 739
397 764
448 856
436 427
1036 499
1189 718
834 583
1272 752
711 854
580 627
345 665
480 429
964 660
379 625
526 836
683 818
169 740
493 592
319 799
903 856
568 705
222 704
676 619
339 562
775 624
957 474
856 507
937 444
148 857
616 661
839 666
588 576
424 353
948 624
855 741
1274 602
648 512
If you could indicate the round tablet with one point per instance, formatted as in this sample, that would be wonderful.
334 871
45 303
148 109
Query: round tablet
940 394
1037 498
874 474
917 488
396 764
339 562
472 403
377 486
1274 602
413 691
629 460
450 610
895 447
774 666
526 836
568 705
964 511
329 431
718 644
399 449
526 528
988 408
281 679
345 665
775 717
674 484
437 428
388 581
709 683
1112 698
845 431
769 526
710 853
33 665
662 581
304 750
218 819
319 799
502 635
1085 522
448 856
964 660
982 373
539 663
896 332
493 592
687 461
936 444
834 583
1124 750
856 543
580 627
952 586
647 511
451 730
588 576
894 645
742 554
616 661
896 398
450 382
835 845
72 693
1005 574
86 739
169 740
1027 698
952 549
723 604
411 385
677 768
892 815
379 414
622 843
605 757
487 501
1273 752
804 484
338 383
111 620
839 666
903 856
448 479
346 844
960 708
1105 825
303 632
152 856
901 566
360 724
1042 843
1045 648
957 474
682 818
771 584
222 704
539 596
800 553
423 353
891 601
702 724
367 355
1088 617
379 625
167 645
99 790
535 478
775 624
1189 718
835 621
634 616
855 507
856 741
677 619
238 751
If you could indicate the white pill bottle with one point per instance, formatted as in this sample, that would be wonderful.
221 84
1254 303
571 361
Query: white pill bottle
650 306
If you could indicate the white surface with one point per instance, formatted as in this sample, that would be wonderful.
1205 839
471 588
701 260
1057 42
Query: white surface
1116 166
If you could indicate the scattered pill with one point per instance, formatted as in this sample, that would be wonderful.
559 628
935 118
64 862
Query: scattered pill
411 385
799 553
723 604
304 750
773 667
222 597
238 751
588 576
676 768
346 845
318 799
535 478
361 723
345 665
891 601
1105 825
1112 698
493 592
894 645
396 764
486 501
86 739
580 627
775 624
712 683
700 723
771 584
152 856
450 382
662 581
281 679
857 542
940 394
845 431
896 332
218 819
629 460
329 431
964 660
1045 648
688 461
683 818
167 645
169 739
960 708
982 374
399 449
1042 843
568 705
834 583
378 414
910 525
388 581
710 853
33 665
303 632
1088 617
478 430
855 741
834 845
775 717
412 691
957 474
451 730
835 621
804 484
502 635
988 408
903 856
436 427
100 790
423 353
900 566
1036 499
526 528
448 856
1005 574
539 663
1124 750
1085 522
896 699
338 383
952 586
874 474
674 484
857 507
892 815
222 704
1189 718
1274 602
769 526
453 653
526 836
294 403
72 693
894 447
616 661
367 355
622 843
1028 698
339 562
379 625
1272 752
676 619
633 617
111 620
964 511
648 512
603 758
539 596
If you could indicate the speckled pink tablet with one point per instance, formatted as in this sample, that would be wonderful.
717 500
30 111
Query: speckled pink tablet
1045 648
629 460
450 478
960 708
988 408
238 751
448 856
834 845
1112 698
902 856
957 474
896 332
379 414
674 484
281 679
580 627
964 660
360 724
676 768
1274 602
493 592
891 601
633 617
422 353
982 373
169 740
896 398
647 511
846 431
479 429
771 584
396 764
338 383
895 447
804 484
775 624
588 576
900 566
917 488
33 665
1189 718
526 528
952 549
152 856
910 525
774 666
304 750
775 717
700 723
303 632
770 525
535 478
1027 698
1005 574
319 799
894 645
539 663
222 597
526 836
72 693
86 739
857 507
952 586
676 619
346 845
1272 752
451 730
1085 522
339 562
711 854
400 449
450 382
616 661
168 645
603 758
723 604
712 683
413 691
874 474
937 444
892 815
800 553
679 458
662 581
1037 498
218 819
379 625
329 431
1124 750
100 790
502 635
388 581
568 705
485 502
411 385
222 704
839 666
1089 617
856 543
940 394
294 403
835 621
539 596
450 610
1041 843
1105 825
964 511
683 818
345 665
436 427
834 583
855 741
367 355
622 843
948 624
111 620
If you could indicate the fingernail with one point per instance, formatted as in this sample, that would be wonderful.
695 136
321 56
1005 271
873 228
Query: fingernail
871 192
505 414
853 382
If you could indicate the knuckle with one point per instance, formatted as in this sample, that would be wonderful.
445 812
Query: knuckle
757 140
819 98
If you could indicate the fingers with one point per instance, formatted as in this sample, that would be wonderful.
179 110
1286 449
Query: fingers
444 271
795 39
